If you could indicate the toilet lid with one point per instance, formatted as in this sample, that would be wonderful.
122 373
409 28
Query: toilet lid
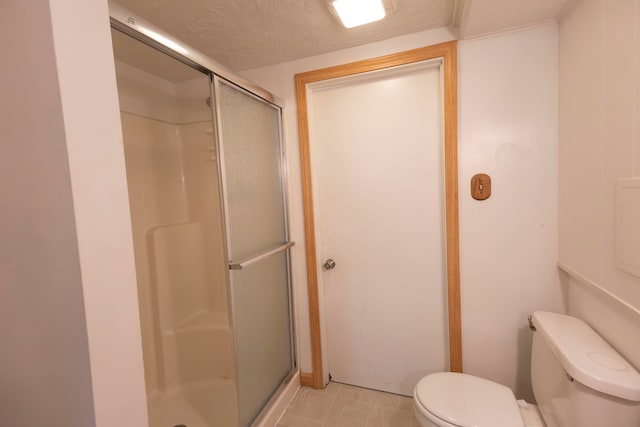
468 401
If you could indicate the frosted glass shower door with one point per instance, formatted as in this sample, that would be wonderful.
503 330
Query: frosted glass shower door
253 185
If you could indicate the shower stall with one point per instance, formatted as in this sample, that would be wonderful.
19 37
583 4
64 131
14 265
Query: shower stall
207 193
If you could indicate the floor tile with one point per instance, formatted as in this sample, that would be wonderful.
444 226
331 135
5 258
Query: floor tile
290 420
314 406
343 405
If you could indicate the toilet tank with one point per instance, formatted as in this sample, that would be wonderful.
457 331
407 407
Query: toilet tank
578 379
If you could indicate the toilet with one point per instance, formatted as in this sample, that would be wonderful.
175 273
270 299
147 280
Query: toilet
578 380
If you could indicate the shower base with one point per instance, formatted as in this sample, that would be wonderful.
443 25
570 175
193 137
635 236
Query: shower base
204 404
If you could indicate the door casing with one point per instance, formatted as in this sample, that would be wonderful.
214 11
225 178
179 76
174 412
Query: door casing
447 53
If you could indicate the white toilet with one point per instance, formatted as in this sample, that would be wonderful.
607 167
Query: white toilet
578 380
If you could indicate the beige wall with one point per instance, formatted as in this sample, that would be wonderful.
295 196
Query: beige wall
508 244
96 163
599 142
507 100
71 341
44 369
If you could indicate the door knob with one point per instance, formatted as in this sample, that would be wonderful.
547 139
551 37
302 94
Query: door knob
329 264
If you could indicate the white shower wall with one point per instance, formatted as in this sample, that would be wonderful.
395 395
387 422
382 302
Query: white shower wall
177 231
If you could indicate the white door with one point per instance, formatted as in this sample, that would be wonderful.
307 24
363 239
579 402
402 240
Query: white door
377 160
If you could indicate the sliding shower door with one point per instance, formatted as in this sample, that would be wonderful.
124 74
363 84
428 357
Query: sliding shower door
251 154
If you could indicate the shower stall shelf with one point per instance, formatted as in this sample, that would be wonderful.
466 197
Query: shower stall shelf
207 192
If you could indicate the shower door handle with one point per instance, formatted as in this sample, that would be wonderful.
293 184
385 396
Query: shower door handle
329 264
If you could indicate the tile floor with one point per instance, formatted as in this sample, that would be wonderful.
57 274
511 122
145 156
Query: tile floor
341 405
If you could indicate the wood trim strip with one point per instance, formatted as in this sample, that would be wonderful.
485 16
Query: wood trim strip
447 51
306 379
310 235
451 207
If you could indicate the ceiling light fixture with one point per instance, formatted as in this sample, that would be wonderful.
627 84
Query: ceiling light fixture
353 13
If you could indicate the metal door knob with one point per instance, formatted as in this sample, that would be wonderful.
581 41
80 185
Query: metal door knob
329 264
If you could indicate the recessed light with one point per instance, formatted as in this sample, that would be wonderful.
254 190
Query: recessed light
353 13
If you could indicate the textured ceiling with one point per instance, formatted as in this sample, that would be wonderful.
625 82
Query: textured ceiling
243 34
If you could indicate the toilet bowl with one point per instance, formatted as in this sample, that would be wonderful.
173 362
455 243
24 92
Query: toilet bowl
578 380
449 399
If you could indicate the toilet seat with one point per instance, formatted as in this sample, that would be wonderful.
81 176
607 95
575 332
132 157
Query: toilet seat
459 400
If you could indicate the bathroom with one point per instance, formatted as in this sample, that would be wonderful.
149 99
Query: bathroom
542 142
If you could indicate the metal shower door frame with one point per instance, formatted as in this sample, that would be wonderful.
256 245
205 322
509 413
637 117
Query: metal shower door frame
142 30
238 265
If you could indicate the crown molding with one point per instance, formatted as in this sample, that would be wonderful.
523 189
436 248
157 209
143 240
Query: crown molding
459 17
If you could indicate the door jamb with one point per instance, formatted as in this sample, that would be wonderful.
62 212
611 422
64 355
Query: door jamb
446 51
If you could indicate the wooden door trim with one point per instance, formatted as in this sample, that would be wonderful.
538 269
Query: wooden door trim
446 51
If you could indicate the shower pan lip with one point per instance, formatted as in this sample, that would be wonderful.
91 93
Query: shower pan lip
139 28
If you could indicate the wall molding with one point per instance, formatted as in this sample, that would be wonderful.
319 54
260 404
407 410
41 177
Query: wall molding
459 16
586 281
510 30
